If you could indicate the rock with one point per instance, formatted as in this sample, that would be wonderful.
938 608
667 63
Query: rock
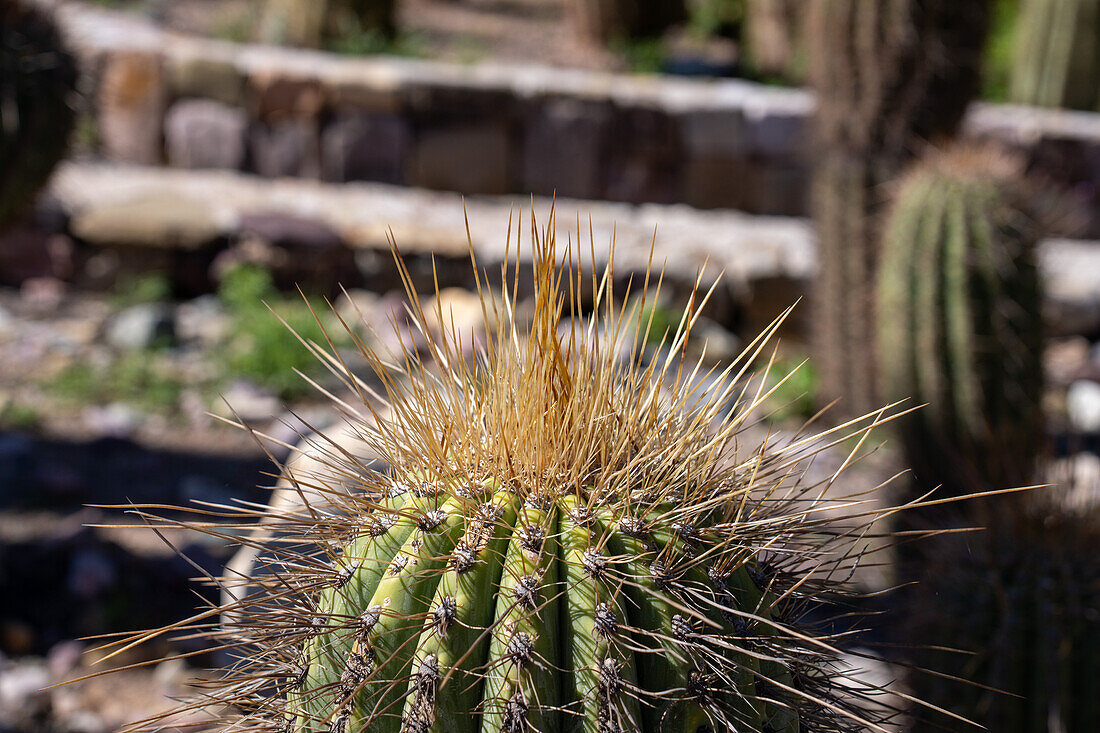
43 293
248 402
202 133
360 147
1071 279
7 322
141 326
161 220
465 158
64 657
22 696
274 95
202 488
462 314
357 308
299 251
131 107
286 148
1083 405
721 346
1064 360
288 231
116 420
563 147
91 572
202 319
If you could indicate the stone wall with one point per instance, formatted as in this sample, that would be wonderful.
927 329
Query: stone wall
158 97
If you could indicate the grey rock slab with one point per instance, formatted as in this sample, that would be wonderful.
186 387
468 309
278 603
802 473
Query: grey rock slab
141 326
203 133
150 217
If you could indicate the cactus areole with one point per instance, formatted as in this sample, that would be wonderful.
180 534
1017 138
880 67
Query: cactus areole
563 539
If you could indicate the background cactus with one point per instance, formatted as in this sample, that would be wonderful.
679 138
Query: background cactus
37 82
1019 600
1057 54
959 320
561 540
889 76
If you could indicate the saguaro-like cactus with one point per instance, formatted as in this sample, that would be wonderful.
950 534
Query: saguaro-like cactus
1057 54
562 540
37 81
890 76
959 320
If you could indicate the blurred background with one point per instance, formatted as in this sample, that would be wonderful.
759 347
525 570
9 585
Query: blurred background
923 173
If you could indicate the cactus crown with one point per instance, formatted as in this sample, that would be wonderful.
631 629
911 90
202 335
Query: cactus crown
560 540
959 319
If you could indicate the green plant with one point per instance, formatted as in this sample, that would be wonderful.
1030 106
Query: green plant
37 81
999 50
554 542
149 287
18 416
1057 54
263 346
890 76
134 377
642 55
795 393
316 23
959 320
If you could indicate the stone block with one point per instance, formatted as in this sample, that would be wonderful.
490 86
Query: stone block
778 129
715 132
467 158
288 147
365 147
645 157
202 133
716 182
275 96
777 188
131 101
563 148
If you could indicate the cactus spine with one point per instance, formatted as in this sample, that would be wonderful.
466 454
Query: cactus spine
889 75
37 82
562 541
1057 54
959 320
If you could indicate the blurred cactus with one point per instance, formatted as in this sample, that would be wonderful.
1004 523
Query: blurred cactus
311 23
959 323
37 81
605 20
773 36
1022 596
1057 58
888 75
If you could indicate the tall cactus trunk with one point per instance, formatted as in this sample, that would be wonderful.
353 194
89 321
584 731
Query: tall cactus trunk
1057 59
890 74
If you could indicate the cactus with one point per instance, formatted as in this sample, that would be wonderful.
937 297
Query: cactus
889 76
1057 54
959 320
37 82
561 540
1019 601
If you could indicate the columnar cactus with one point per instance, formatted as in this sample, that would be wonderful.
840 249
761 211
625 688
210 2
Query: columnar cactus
1057 54
37 82
561 540
959 320
890 76
1018 602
